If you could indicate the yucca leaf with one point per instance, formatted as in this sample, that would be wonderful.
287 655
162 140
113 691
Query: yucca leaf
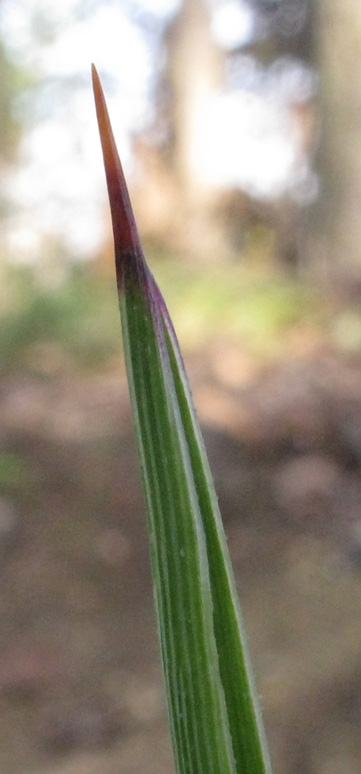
213 708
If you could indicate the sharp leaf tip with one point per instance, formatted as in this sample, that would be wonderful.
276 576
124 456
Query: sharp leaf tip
124 227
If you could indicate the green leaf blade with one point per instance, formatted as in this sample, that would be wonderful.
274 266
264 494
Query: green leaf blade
179 561
212 707
245 722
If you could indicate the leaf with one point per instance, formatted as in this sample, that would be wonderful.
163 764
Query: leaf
215 721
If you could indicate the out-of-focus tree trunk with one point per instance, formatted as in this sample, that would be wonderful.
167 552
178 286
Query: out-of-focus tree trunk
334 242
195 74
182 204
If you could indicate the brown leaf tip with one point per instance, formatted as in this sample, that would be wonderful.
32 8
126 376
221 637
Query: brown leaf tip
126 237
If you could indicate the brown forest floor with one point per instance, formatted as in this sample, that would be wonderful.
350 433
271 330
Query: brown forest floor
80 682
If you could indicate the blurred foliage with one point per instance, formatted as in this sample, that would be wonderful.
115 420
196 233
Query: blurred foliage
14 472
14 81
284 27
76 325
346 330
256 308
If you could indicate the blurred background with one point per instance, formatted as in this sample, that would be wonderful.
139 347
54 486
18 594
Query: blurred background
239 125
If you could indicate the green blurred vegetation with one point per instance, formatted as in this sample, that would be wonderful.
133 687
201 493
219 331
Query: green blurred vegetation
45 328
14 472
256 308
14 81
75 325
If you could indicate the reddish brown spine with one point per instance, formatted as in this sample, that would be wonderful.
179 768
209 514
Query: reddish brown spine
126 237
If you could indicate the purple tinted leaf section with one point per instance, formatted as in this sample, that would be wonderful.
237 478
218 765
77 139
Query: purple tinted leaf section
131 268
128 247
